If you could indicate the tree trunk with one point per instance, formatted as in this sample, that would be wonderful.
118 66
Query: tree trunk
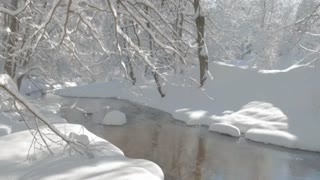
202 50
10 64
178 26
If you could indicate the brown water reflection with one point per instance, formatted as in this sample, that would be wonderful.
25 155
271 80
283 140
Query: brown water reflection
190 153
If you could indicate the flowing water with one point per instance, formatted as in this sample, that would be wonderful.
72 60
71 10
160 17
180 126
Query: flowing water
190 153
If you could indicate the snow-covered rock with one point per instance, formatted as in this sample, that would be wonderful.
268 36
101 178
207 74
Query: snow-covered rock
4 130
224 128
255 114
114 118
52 98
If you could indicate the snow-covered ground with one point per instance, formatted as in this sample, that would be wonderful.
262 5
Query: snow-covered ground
24 157
20 160
278 107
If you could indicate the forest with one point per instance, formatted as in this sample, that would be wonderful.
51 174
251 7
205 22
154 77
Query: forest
90 41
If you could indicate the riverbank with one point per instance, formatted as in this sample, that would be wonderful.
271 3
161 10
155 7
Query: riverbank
276 107
23 157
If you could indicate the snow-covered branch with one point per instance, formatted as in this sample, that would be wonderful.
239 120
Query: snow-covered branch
15 12
8 85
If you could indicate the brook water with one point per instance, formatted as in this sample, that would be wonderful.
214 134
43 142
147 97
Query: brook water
190 153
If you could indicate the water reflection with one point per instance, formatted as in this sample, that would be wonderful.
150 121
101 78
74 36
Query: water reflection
190 153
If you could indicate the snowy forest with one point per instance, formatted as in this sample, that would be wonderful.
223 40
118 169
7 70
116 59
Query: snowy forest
160 89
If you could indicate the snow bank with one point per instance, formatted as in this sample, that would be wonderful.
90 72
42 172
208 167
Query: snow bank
98 90
280 138
27 154
20 159
114 118
37 87
285 101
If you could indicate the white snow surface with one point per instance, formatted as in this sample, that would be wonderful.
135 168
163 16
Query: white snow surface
224 128
280 138
281 103
17 162
23 158
114 118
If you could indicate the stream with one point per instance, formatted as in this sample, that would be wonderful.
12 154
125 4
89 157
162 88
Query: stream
189 153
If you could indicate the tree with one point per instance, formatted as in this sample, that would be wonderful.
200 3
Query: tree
10 62
200 21
96 40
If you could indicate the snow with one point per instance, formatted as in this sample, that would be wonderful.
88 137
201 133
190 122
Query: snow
13 13
224 128
280 138
204 51
114 118
10 123
17 162
25 155
83 139
37 87
255 115
33 86
282 103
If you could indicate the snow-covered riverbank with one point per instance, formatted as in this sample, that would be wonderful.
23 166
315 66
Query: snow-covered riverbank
189 152
21 157
277 107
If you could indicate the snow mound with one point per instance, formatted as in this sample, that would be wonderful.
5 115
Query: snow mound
225 129
4 130
114 118
280 138
255 114
82 138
